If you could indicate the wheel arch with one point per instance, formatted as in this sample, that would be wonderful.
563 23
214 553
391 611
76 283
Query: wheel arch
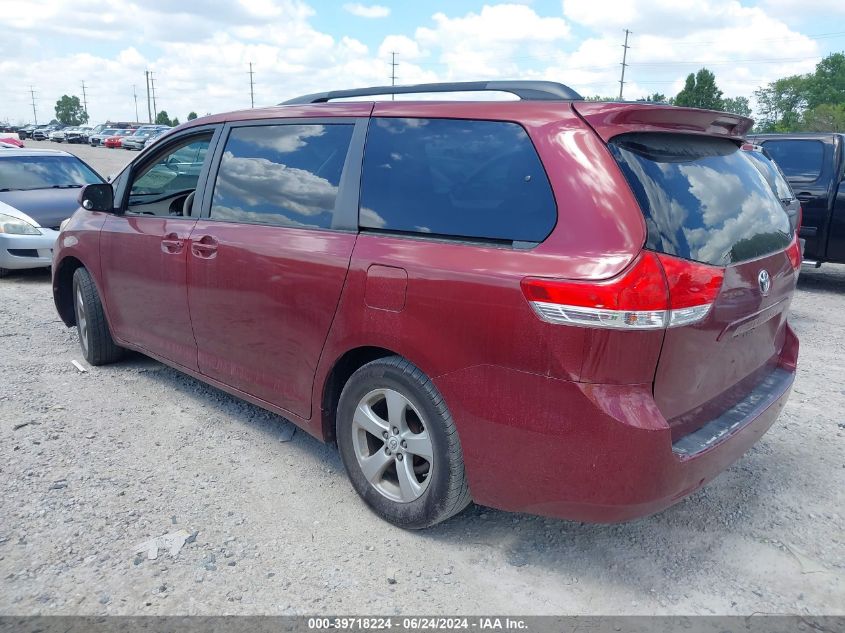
63 288
342 369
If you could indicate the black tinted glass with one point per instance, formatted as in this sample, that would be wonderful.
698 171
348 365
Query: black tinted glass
472 179
800 159
772 175
285 175
702 197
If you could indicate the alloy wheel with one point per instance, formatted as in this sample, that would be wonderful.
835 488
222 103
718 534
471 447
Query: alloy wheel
392 445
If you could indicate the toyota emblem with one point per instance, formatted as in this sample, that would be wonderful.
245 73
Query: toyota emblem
765 282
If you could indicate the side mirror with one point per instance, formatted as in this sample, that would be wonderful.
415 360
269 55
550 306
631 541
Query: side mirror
97 198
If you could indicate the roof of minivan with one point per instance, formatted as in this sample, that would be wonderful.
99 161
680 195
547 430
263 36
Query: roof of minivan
607 118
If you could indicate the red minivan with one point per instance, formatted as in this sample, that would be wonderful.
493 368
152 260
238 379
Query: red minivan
546 305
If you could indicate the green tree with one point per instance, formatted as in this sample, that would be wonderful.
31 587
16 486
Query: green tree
827 84
827 117
737 105
174 121
70 112
598 98
700 91
781 104
163 119
192 115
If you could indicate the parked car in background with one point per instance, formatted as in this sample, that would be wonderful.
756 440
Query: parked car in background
8 146
542 305
58 134
43 133
116 140
814 165
139 137
152 138
77 134
11 139
97 138
26 131
38 190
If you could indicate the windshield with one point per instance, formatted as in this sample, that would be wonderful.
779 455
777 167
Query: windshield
702 197
44 172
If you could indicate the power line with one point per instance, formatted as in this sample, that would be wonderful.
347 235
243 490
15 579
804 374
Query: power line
34 113
625 48
251 87
393 65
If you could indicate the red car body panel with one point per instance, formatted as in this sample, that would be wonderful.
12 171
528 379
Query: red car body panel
294 284
575 422
145 290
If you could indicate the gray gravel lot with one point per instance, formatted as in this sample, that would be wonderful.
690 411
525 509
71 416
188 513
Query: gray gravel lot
93 464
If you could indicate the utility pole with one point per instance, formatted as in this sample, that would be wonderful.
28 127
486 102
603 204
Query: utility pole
34 114
84 100
393 65
153 87
251 87
149 112
135 96
625 48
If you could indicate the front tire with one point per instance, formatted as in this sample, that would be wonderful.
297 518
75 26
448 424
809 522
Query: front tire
399 445
95 339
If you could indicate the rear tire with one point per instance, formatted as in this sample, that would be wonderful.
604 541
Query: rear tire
95 339
399 445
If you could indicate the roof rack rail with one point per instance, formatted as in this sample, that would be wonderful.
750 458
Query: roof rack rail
525 90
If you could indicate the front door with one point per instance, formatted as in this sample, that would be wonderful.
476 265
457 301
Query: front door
144 251
268 261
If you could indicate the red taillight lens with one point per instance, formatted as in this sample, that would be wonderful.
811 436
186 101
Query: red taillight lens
656 291
641 287
794 254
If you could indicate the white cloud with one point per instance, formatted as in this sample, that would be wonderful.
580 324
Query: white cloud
199 50
367 11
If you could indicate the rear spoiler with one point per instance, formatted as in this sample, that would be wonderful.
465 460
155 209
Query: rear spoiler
611 119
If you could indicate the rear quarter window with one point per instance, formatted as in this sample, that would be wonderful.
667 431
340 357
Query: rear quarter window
797 158
455 178
702 197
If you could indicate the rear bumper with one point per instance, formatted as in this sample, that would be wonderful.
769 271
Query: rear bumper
587 452
18 252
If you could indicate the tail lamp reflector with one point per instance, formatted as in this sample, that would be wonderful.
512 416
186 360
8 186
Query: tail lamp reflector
794 254
656 291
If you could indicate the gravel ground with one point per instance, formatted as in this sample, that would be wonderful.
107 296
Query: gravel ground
93 464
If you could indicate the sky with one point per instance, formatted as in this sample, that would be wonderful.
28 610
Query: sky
199 50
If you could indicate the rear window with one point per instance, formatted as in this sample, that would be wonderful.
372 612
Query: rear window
702 198
455 178
799 159
44 172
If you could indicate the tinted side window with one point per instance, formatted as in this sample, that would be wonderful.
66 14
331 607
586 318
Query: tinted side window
472 179
284 175
799 159
163 185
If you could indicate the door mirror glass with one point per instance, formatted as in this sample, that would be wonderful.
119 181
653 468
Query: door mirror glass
98 197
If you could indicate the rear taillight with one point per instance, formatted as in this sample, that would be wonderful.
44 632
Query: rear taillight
794 254
655 292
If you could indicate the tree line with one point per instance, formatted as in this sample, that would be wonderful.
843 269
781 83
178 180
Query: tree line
814 102
69 110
